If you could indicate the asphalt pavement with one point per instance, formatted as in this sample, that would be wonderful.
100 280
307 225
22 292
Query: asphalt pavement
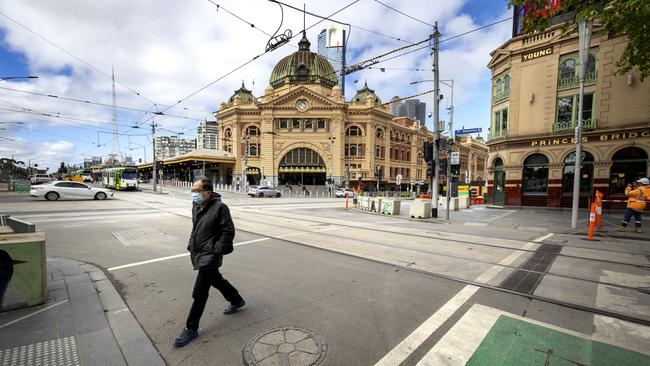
377 290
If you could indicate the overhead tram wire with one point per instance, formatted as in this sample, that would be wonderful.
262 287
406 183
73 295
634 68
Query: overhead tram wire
404 14
93 103
75 56
243 65
64 116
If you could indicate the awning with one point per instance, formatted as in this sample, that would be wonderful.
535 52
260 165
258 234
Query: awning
301 169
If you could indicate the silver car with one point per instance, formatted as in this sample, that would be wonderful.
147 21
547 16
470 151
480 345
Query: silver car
264 192
69 190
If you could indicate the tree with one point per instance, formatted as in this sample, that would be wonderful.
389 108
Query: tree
629 17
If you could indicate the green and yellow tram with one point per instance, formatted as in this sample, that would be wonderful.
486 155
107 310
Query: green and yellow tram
120 178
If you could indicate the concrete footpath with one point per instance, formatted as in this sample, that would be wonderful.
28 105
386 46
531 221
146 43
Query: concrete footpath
84 322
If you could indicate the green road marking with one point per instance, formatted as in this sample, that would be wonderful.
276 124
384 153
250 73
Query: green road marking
513 342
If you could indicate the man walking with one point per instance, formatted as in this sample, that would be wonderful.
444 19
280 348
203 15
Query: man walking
212 237
637 193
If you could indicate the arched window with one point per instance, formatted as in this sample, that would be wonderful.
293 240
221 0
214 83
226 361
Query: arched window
586 173
535 177
628 165
302 156
253 150
353 131
498 86
568 69
227 134
379 133
591 66
353 150
252 131
506 84
498 164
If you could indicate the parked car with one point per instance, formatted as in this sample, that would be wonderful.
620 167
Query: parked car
55 190
342 192
255 191
41 178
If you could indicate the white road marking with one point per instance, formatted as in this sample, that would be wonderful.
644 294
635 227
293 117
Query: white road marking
501 216
95 218
538 240
398 354
414 340
32 314
69 226
633 336
174 256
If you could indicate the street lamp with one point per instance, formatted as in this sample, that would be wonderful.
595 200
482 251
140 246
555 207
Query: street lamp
451 136
17 77
142 146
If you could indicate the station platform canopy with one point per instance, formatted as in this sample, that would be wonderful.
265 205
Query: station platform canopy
194 157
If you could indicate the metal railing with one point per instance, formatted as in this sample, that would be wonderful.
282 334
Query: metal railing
497 97
497 135
573 81
570 126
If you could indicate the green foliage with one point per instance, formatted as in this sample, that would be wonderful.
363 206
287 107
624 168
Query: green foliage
13 168
629 17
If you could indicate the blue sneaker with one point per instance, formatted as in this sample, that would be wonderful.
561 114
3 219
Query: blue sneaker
186 336
234 307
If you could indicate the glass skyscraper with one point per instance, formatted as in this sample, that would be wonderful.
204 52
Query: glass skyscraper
330 46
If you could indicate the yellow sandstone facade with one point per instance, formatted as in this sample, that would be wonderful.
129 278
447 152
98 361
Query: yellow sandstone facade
302 131
534 114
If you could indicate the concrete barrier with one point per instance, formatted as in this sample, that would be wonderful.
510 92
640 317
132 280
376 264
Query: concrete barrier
420 209
453 203
364 203
390 207
375 204
463 202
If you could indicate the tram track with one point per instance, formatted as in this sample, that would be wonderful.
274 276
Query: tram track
446 236
408 266
463 258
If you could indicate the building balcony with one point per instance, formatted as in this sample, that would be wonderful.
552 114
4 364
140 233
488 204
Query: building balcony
497 97
574 81
570 126
497 135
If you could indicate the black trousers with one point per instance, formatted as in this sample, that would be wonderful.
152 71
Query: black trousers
205 279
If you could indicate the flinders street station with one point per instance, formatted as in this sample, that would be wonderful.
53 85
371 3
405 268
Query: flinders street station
303 131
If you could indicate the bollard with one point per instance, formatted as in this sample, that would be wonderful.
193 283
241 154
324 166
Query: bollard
346 199
592 221
599 210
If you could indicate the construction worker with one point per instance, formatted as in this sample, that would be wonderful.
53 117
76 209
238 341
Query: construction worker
638 193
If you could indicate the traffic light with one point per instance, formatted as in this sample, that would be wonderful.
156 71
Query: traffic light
430 171
455 169
428 151
443 164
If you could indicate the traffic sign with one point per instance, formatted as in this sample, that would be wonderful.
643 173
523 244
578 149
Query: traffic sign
455 158
466 131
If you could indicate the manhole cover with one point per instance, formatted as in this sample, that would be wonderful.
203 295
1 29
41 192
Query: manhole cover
285 346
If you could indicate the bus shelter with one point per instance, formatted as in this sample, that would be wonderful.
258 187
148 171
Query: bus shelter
215 165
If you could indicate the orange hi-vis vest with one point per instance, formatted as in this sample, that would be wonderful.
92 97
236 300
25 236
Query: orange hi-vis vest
637 197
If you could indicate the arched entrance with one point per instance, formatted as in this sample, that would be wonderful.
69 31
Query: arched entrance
302 166
499 182
586 178
628 165
535 181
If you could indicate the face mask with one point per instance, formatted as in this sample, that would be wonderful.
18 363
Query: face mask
197 198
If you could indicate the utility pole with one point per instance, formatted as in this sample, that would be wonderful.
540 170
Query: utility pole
584 36
450 148
155 162
245 166
436 121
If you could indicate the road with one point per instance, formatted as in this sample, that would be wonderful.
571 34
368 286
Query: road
378 290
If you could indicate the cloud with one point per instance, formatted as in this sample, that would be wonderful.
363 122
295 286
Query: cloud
45 154
167 50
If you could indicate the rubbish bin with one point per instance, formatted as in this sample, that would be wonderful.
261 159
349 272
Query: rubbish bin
23 269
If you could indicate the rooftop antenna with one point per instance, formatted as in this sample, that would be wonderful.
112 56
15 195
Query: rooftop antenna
304 19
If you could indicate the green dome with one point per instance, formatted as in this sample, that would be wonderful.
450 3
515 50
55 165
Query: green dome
303 66
363 94
245 95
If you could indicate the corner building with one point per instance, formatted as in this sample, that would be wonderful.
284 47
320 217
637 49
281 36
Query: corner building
302 131
534 115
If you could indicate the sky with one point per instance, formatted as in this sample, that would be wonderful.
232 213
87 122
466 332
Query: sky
184 58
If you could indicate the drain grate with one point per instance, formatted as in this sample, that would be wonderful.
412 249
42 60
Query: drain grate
540 261
285 346
57 352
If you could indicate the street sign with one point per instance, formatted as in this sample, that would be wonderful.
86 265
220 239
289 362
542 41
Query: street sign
466 131
455 158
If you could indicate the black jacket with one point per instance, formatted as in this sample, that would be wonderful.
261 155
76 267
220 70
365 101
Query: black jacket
212 233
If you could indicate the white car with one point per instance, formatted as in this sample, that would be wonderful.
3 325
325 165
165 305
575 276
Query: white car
255 191
69 190
342 192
